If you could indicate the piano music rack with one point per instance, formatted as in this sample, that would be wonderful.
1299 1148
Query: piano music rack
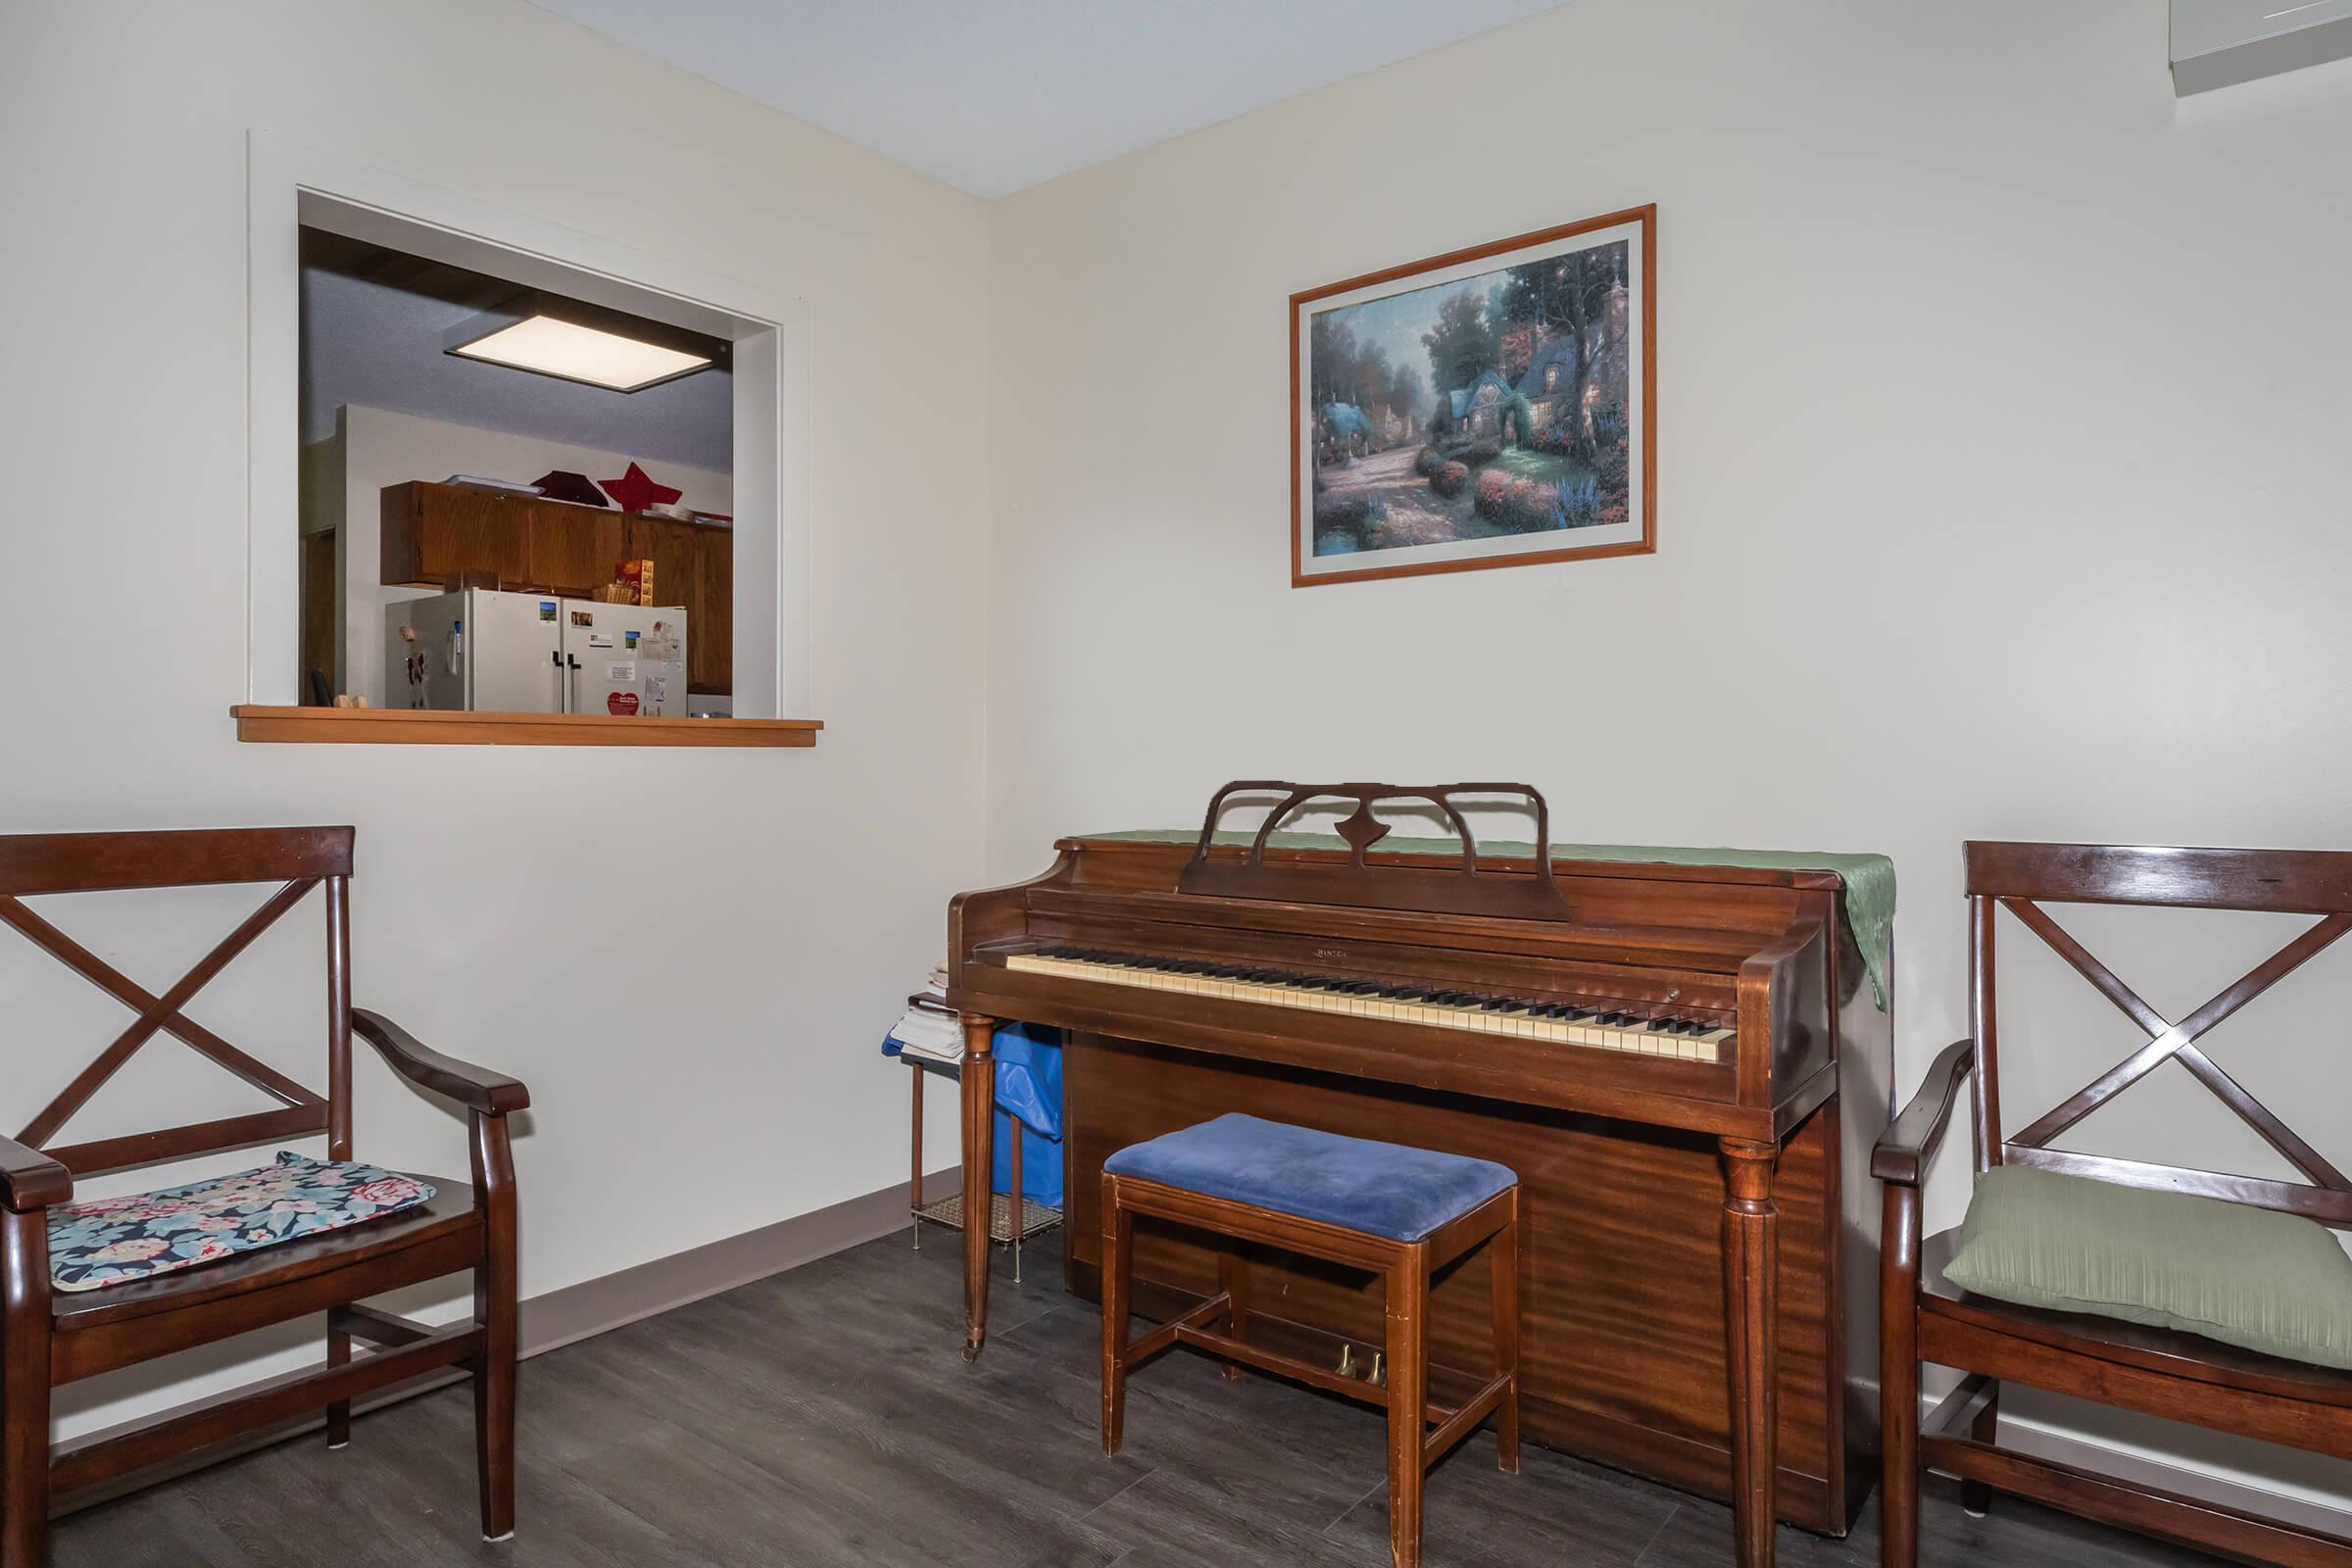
1463 890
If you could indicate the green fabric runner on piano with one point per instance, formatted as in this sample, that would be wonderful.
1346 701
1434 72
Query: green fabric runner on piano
1869 878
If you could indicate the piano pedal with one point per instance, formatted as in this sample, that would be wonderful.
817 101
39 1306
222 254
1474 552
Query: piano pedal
1346 1366
1376 1374
1379 1376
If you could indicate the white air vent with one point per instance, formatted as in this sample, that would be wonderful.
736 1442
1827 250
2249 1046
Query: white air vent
2219 43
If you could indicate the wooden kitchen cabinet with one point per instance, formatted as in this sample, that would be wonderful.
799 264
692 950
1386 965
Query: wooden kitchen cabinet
574 549
711 606
670 545
435 533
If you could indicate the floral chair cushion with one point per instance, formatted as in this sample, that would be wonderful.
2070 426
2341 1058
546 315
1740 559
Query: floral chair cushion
112 1241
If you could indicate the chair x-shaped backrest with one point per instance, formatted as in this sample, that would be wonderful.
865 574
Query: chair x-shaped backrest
2012 876
95 861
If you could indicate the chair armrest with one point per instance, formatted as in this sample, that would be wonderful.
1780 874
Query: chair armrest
1902 1154
491 1093
30 1180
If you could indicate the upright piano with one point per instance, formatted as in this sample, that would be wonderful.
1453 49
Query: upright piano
1654 1048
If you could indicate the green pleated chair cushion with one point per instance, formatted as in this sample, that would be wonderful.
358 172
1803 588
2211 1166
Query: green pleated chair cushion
2251 1277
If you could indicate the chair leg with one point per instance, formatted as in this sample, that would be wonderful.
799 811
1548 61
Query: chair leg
1975 1496
494 1312
23 1390
1408 1376
1233 1278
338 1414
1118 1236
1898 1380
1502 1249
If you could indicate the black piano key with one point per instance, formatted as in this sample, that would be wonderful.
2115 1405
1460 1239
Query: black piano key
1660 1025
1512 1004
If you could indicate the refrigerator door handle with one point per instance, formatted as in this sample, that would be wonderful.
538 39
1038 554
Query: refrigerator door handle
572 703
555 659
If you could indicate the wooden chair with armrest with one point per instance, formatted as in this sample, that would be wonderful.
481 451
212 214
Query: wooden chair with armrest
2130 1365
47 1339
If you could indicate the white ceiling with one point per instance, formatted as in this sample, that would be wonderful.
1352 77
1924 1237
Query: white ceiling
996 95
369 343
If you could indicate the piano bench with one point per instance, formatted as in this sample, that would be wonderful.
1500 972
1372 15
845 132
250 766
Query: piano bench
1399 1212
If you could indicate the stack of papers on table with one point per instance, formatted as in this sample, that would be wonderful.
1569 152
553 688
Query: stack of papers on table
930 1032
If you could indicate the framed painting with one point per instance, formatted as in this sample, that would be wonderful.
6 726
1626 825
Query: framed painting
1493 407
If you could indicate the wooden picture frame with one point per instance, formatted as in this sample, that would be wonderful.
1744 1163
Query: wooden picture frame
1552 434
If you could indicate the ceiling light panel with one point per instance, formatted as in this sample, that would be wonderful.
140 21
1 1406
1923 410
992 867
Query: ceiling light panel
553 347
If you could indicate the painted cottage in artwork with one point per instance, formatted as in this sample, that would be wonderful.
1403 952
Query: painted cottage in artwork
1551 383
1475 410
1555 394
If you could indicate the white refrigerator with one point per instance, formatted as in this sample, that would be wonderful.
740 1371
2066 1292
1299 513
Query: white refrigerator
489 652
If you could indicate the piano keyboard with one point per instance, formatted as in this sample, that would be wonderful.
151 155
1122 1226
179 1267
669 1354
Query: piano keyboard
1508 1017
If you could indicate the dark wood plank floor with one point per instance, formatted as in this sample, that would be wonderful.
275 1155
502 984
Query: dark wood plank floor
823 1418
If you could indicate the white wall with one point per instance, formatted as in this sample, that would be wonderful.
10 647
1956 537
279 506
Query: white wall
2002 486
510 903
381 448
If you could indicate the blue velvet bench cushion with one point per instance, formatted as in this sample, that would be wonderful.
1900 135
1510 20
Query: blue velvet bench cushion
1381 1188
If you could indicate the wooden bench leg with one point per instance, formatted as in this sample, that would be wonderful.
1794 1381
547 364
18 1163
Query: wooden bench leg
1118 1235
1409 1400
25 1390
1233 1279
1503 1253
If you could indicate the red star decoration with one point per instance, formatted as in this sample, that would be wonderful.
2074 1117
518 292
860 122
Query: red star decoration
635 490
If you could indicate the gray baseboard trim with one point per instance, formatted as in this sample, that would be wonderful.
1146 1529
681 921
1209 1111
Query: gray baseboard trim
576 1312
2045 1441
626 1295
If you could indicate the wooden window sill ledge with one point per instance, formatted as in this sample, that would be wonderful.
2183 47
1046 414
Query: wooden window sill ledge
393 726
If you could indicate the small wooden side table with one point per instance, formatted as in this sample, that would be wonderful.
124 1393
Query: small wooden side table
948 1210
